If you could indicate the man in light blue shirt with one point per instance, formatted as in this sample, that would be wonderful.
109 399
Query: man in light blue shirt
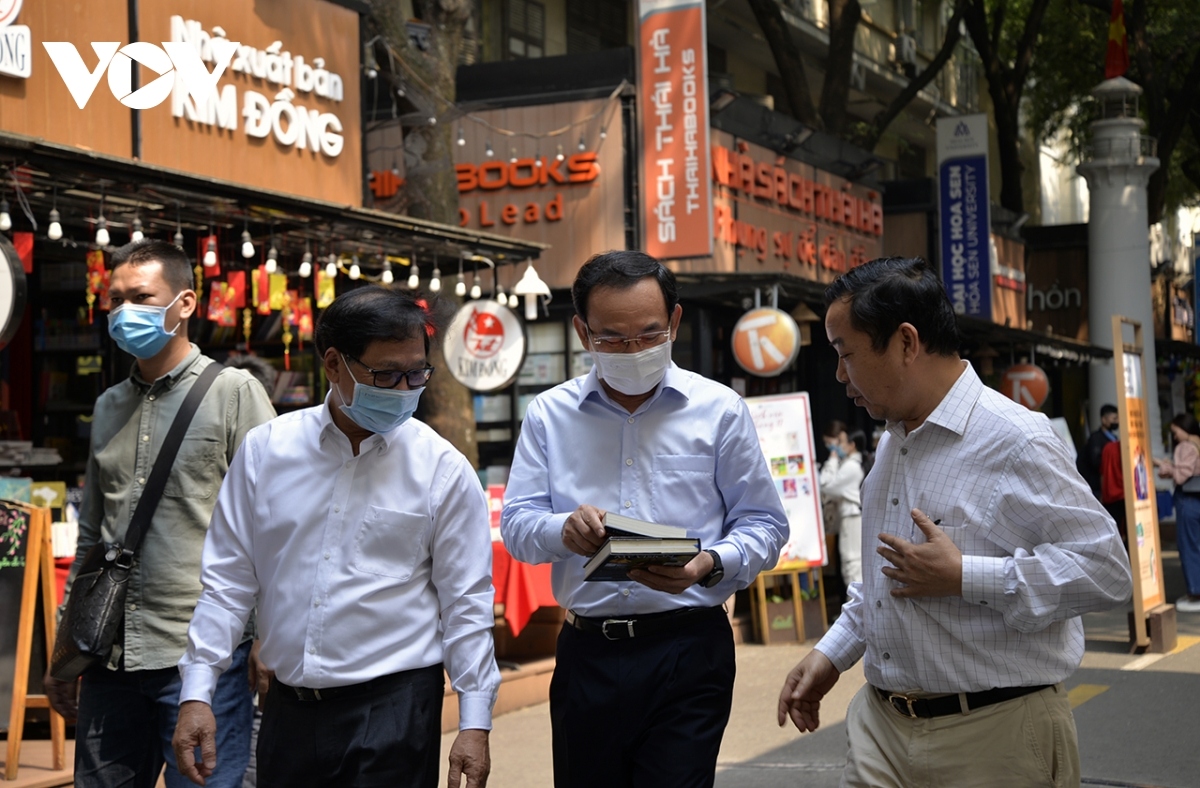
643 680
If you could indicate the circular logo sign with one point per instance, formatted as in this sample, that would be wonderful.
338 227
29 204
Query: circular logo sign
1026 384
766 341
9 9
484 346
12 291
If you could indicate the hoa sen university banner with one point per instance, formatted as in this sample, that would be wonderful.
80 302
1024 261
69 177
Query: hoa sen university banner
673 114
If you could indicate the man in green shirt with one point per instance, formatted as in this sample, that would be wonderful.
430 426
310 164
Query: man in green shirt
126 709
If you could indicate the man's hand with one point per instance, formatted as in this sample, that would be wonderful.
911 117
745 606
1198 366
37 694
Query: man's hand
197 727
469 757
674 579
63 695
805 686
933 568
583 532
258 673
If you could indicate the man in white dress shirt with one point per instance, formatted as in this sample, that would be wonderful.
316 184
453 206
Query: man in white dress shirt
363 539
989 547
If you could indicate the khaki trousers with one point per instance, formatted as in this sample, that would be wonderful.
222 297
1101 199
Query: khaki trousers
1027 741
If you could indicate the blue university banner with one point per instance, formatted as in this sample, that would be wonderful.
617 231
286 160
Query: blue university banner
965 223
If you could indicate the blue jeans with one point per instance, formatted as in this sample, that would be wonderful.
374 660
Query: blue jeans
1187 538
127 719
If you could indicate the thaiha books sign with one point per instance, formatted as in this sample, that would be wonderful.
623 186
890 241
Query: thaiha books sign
962 144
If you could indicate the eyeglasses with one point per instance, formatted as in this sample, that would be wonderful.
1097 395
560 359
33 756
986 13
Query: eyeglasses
616 344
390 378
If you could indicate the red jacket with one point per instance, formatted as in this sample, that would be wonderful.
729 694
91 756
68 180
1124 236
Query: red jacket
1112 476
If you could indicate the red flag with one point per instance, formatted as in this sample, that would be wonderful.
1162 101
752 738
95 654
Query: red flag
1116 60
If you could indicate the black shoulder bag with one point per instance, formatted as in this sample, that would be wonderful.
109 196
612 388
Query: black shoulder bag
96 606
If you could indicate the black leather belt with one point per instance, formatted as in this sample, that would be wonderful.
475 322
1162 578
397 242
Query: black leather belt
643 625
374 686
949 704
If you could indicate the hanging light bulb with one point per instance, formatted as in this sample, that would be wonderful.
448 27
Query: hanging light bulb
331 266
603 133
272 259
487 151
513 301
435 283
462 137
460 286
513 159
54 231
414 276
178 228
136 227
5 217
355 271
306 264
582 143
560 155
210 256
476 290
102 237
387 277
247 244
501 298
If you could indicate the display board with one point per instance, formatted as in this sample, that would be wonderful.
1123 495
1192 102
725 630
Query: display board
784 425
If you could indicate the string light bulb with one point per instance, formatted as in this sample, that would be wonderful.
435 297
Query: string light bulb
247 244
102 236
5 217
460 286
513 159
331 266
476 290
414 277
210 256
501 298
603 133
488 151
54 231
560 155
582 143
355 271
136 227
272 259
462 137
435 283
306 264
387 277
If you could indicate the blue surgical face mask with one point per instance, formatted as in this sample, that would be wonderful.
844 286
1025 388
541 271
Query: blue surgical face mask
140 330
835 448
379 410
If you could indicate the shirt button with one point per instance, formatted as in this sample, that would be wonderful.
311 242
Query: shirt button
628 504
624 592
904 451
337 508
895 502
133 606
629 462
141 480
151 398
316 603
312 649
887 655
631 420
145 438
878 603
327 556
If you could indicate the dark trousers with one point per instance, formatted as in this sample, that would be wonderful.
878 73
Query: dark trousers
647 711
127 719
385 732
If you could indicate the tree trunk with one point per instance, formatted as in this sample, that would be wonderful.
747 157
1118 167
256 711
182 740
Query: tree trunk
787 60
448 405
844 16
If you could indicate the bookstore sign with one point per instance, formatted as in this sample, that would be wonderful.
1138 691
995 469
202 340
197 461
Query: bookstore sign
484 346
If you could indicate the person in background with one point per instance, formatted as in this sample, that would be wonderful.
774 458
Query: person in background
127 708
1089 460
363 538
840 481
643 677
260 368
1112 487
1184 470
989 546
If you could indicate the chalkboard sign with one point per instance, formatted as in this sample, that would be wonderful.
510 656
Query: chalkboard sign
14 533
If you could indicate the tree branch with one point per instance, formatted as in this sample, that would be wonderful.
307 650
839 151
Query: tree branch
1033 24
880 122
1099 5
844 16
787 60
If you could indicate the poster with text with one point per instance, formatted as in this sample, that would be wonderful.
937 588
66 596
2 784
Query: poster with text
784 425
1141 512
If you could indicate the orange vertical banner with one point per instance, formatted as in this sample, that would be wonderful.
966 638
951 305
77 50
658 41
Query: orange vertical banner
673 115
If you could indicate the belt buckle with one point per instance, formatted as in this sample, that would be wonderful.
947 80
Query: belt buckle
906 705
628 622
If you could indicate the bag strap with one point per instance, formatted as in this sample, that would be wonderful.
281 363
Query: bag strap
157 482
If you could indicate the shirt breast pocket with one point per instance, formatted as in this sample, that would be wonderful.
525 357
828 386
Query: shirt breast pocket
197 472
682 487
390 543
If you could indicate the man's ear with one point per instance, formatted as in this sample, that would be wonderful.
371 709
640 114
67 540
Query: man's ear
333 364
910 342
676 317
581 332
187 304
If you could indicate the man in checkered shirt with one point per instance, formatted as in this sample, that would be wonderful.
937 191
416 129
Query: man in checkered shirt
989 548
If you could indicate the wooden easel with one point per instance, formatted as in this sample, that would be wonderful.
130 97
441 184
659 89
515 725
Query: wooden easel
39 571
758 599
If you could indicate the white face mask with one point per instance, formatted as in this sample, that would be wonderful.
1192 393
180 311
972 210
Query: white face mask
634 373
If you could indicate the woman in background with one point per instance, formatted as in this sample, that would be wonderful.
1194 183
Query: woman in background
1184 469
840 481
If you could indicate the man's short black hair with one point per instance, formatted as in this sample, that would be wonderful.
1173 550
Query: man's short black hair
622 270
367 314
177 270
1107 409
888 291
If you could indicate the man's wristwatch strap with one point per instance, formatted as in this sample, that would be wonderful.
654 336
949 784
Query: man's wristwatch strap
718 571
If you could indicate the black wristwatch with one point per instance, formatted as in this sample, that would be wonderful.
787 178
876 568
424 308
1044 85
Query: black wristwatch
718 571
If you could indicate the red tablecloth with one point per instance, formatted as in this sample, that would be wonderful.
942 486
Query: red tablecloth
521 588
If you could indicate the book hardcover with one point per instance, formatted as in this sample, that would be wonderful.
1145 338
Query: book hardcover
620 525
618 555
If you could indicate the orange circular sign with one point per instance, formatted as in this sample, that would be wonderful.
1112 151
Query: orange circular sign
1026 384
766 341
